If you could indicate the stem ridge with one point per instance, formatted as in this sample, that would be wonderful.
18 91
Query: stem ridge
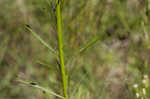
61 52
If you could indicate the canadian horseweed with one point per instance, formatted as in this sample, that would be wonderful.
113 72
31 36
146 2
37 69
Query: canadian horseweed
112 26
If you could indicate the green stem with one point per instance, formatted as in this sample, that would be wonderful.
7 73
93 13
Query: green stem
61 52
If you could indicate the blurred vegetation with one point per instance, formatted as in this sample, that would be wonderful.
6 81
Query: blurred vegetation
106 70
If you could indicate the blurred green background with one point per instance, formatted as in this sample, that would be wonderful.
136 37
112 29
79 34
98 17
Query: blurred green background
106 70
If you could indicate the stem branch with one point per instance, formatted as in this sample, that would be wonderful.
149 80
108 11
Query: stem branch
61 52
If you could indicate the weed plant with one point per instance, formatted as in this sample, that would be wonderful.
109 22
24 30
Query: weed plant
74 49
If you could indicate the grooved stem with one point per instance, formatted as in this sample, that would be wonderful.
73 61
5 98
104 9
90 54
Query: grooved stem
61 52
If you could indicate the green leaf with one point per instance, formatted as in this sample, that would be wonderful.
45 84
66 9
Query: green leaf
90 43
40 87
41 40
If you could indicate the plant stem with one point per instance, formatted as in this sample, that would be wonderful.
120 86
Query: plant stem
61 52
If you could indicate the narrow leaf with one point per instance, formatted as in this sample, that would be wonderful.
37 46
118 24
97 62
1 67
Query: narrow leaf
39 87
41 40
90 43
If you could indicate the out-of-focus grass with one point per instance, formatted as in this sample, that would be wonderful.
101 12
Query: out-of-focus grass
106 70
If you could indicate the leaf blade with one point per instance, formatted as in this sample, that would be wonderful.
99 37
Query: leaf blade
41 40
40 87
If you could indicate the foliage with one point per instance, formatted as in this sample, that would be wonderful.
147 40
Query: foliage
106 48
